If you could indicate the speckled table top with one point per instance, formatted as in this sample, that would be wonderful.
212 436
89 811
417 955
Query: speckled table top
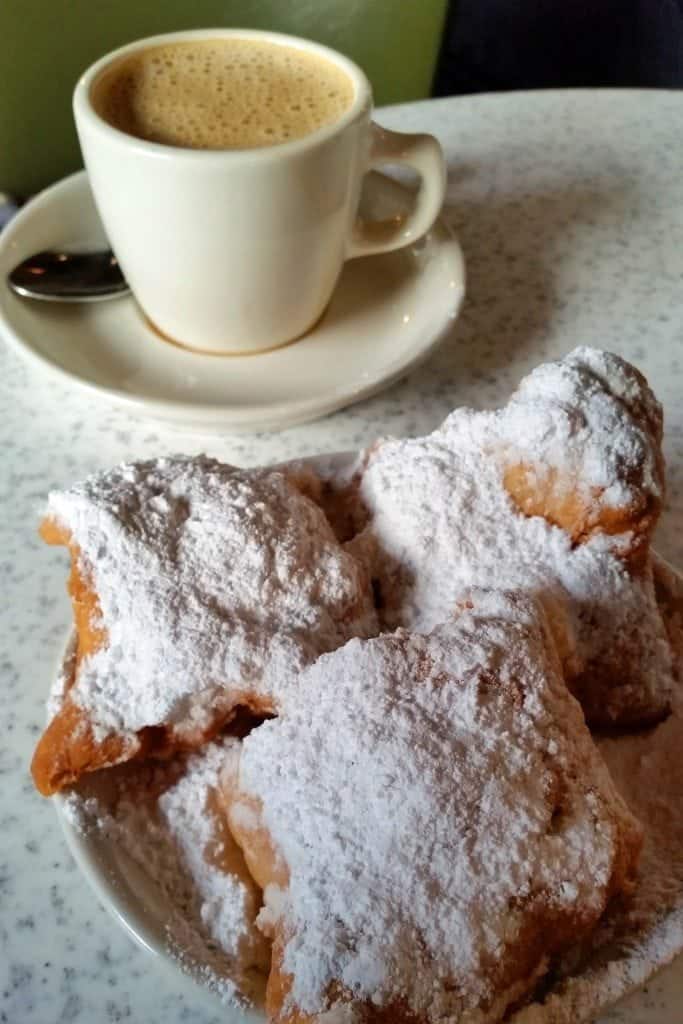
569 207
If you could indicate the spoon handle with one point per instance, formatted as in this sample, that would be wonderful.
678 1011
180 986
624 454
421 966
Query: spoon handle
56 276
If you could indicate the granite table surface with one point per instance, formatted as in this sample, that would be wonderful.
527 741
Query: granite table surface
569 208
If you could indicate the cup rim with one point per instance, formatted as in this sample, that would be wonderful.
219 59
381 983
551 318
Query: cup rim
85 111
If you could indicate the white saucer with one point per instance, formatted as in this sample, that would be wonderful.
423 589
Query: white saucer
387 314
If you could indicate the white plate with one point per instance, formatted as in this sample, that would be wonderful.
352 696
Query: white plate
387 314
135 901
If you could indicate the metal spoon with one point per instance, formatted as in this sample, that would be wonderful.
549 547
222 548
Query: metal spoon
63 276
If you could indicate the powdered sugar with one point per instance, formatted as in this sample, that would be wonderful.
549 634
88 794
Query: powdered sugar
213 583
167 820
426 795
442 520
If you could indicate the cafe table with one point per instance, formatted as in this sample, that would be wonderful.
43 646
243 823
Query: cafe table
569 209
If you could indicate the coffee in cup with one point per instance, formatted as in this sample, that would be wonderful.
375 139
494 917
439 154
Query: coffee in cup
222 93
227 166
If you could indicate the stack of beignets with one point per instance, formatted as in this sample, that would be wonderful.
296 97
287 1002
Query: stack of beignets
426 813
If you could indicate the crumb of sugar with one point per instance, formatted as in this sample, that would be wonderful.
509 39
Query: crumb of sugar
209 578
408 789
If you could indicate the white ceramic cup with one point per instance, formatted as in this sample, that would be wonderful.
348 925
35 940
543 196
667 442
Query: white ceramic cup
239 250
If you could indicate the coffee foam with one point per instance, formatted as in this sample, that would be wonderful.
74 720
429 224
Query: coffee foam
222 94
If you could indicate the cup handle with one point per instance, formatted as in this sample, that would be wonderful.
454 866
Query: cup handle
424 154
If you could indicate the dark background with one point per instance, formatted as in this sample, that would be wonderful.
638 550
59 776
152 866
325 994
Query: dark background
493 45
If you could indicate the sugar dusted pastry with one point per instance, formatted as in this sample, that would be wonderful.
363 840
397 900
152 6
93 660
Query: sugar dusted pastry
430 822
196 588
582 439
556 493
